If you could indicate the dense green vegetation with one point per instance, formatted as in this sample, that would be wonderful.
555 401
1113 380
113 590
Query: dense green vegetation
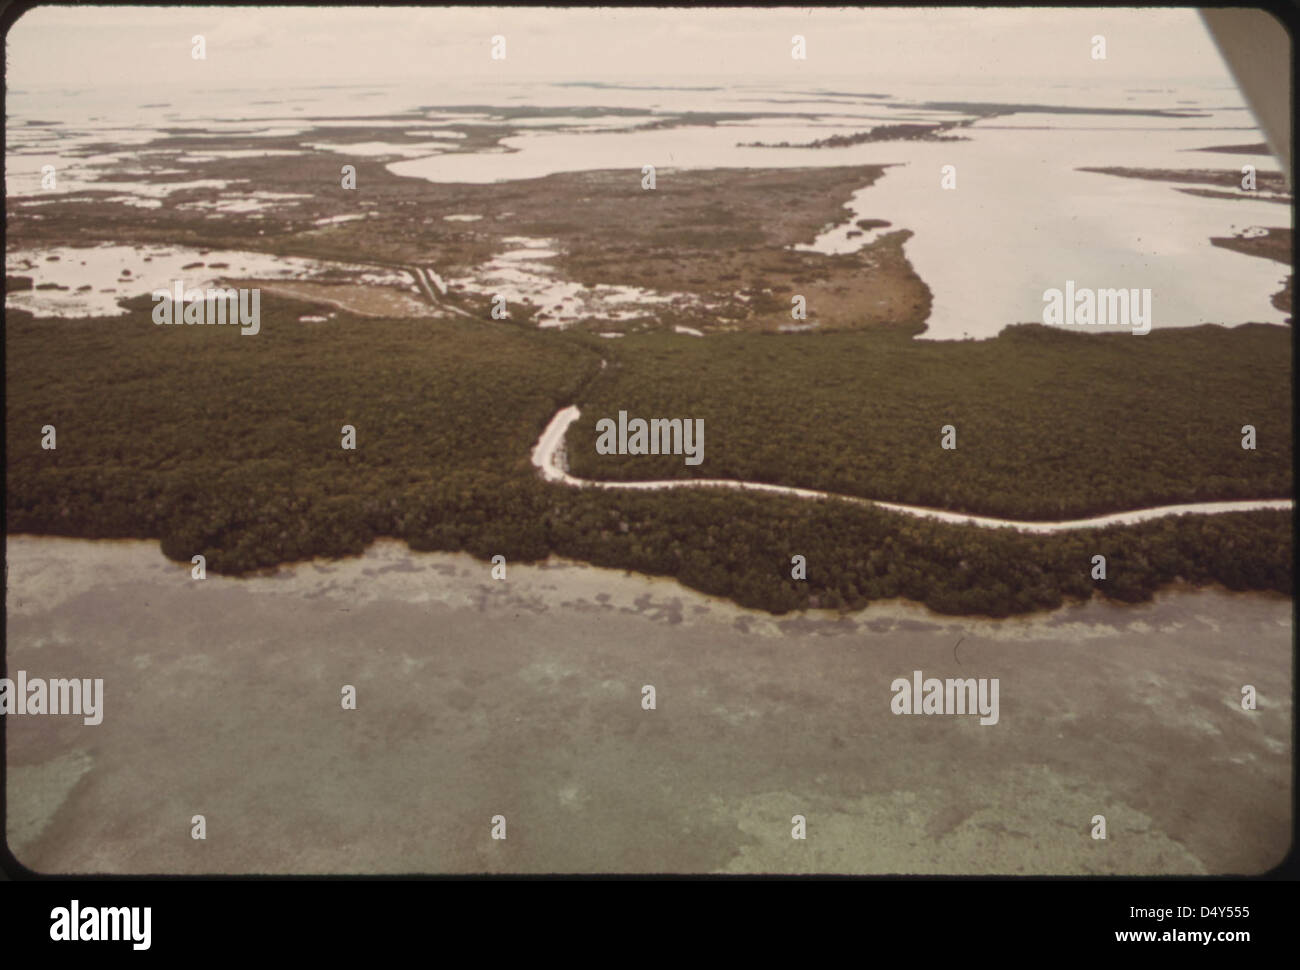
229 446
739 545
1050 424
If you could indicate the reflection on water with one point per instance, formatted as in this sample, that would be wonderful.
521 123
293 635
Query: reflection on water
1022 218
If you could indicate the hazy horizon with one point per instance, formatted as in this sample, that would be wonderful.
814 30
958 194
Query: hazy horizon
115 46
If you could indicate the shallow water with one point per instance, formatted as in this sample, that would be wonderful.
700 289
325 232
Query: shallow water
524 274
1053 223
114 273
522 697
1022 219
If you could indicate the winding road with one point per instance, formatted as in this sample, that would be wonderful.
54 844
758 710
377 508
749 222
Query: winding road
547 456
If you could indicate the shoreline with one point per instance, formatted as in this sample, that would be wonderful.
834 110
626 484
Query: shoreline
387 546
522 697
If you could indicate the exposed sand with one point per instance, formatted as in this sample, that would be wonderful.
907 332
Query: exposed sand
521 697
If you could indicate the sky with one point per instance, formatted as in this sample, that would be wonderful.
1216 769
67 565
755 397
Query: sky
80 46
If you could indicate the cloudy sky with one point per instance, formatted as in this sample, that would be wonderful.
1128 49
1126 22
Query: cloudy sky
78 46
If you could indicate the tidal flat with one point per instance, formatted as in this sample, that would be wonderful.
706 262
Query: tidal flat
522 697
